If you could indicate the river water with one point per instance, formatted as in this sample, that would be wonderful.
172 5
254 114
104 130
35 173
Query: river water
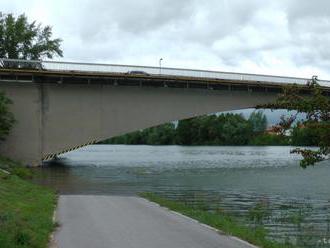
259 185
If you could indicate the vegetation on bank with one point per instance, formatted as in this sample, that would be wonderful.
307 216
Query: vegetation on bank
223 129
316 106
26 210
219 220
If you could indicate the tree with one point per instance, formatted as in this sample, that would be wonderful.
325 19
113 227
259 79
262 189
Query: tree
316 105
258 121
208 130
187 131
265 139
6 117
20 39
236 130
160 135
304 136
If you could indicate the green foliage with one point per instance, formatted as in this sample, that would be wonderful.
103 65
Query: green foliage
235 130
186 132
21 172
15 168
223 129
20 39
258 121
221 221
160 135
6 117
259 213
316 106
304 136
266 139
26 211
134 138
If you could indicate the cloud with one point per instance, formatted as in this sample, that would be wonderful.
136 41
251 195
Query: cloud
288 37
300 10
309 25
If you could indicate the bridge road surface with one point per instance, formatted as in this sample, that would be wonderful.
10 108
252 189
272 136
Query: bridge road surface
130 222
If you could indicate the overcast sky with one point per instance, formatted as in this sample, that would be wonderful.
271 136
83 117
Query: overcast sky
284 37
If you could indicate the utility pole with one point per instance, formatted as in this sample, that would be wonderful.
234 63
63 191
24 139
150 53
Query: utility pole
160 65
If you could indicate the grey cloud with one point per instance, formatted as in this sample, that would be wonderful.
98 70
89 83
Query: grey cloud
309 25
281 37
187 20
136 17
299 10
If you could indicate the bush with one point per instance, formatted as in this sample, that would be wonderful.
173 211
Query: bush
269 140
15 168
7 119
22 172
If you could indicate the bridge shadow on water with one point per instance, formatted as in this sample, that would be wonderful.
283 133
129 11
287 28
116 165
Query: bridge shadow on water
56 163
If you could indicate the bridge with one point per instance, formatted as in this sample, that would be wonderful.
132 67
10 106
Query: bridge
62 106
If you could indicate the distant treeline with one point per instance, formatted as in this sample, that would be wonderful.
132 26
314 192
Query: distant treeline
223 129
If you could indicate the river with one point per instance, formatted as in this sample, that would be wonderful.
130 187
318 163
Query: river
294 204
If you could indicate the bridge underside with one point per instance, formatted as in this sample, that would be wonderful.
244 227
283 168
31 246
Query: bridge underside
56 116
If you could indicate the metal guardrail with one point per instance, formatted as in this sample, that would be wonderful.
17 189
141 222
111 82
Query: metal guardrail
164 71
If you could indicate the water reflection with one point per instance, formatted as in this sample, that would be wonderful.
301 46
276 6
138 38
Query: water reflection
230 179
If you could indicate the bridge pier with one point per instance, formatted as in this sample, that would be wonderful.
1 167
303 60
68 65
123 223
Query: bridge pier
24 141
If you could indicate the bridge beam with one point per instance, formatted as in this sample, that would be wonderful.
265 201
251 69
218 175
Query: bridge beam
55 118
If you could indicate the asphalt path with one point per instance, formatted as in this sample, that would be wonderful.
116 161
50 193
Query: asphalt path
131 222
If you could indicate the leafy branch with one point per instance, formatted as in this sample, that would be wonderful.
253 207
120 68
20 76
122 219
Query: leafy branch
316 105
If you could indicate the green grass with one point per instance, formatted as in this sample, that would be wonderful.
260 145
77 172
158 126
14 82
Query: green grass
26 210
221 221
15 168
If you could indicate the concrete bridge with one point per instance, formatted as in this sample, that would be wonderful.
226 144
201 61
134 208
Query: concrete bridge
61 106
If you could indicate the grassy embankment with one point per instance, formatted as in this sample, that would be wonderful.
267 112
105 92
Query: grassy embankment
26 209
221 221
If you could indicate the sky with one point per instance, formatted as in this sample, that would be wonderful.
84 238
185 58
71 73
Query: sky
282 37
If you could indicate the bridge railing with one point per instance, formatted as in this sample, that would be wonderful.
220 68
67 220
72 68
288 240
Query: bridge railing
164 71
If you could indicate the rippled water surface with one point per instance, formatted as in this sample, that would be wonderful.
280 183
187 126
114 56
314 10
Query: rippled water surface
294 203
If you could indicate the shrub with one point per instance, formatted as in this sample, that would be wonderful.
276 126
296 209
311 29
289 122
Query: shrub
7 119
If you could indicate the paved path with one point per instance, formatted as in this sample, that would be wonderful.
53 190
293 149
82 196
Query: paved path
130 222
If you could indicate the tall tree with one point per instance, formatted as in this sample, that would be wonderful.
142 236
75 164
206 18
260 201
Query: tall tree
316 106
159 135
258 121
236 130
20 39
187 131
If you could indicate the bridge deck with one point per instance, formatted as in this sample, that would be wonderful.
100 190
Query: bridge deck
129 75
123 79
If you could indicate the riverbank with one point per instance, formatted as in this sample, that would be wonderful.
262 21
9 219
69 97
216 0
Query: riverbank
220 221
26 209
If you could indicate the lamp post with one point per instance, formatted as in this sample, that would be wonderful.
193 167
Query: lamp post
160 65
